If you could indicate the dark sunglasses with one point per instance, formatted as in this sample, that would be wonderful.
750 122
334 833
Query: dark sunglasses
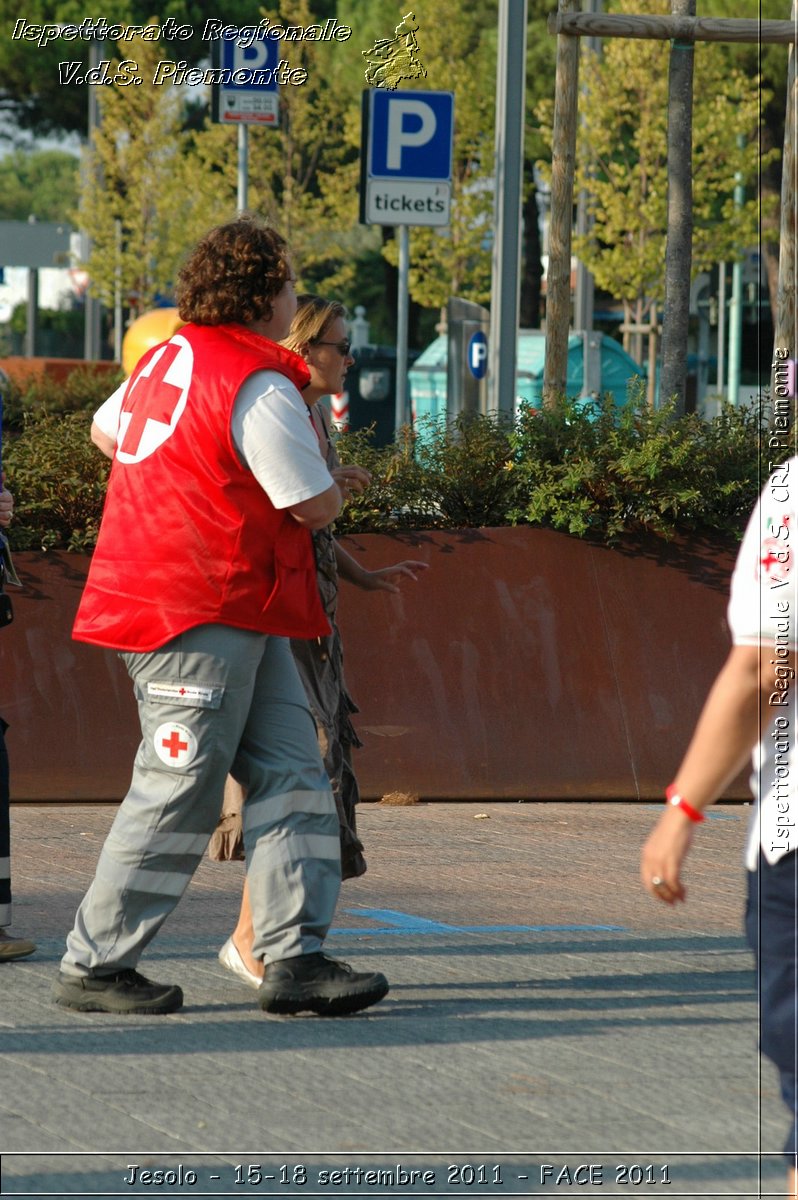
343 348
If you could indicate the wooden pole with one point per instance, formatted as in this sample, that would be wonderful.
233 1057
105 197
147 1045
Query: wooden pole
785 334
558 284
679 240
667 28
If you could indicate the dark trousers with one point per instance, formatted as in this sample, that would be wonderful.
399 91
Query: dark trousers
772 931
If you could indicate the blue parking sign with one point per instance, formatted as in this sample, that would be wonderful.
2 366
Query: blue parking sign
406 157
410 135
245 92
245 61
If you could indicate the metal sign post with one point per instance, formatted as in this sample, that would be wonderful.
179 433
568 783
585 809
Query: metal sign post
243 166
405 179
402 323
92 306
510 101
245 95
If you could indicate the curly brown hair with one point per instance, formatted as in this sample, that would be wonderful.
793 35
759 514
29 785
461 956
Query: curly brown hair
233 274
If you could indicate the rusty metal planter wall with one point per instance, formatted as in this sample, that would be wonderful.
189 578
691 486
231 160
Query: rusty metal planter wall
524 664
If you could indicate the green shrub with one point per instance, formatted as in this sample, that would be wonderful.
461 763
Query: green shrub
441 476
589 470
58 477
596 470
83 390
59 331
396 497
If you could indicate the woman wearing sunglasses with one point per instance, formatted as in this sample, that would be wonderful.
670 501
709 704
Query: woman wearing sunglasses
318 333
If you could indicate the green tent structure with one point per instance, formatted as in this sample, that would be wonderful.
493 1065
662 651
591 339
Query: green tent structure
427 377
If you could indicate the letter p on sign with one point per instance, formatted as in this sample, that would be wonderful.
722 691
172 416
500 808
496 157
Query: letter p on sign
478 354
251 58
410 123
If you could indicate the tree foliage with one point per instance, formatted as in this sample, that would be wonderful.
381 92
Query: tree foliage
152 186
131 204
622 161
770 62
458 49
303 174
31 95
42 184
160 172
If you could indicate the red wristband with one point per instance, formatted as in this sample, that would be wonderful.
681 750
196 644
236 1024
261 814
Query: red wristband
673 797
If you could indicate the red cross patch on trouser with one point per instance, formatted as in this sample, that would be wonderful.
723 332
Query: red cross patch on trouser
175 744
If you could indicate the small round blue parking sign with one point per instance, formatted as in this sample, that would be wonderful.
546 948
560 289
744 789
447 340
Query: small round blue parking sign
478 354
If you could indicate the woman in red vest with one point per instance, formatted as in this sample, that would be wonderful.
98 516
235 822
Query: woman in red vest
203 569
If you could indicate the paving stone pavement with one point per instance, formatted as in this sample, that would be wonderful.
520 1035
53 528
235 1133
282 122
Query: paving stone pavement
550 1030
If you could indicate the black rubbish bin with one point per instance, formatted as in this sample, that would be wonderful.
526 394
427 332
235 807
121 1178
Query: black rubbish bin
371 386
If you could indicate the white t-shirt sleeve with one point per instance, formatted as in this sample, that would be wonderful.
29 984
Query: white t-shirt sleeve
107 415
764 587
274 437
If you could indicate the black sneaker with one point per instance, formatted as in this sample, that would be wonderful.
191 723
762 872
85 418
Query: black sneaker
123 992
316 983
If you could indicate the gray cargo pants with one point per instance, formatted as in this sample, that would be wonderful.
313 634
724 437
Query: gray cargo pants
211 701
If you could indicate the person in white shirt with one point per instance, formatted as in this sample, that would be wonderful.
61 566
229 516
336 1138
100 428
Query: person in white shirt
752 708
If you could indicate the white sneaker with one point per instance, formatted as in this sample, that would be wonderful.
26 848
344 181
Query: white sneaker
230 958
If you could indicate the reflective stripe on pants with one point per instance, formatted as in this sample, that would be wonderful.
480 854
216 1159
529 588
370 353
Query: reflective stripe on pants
212 701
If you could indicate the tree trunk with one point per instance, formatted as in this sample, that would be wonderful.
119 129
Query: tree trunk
678 248
770 255
563 159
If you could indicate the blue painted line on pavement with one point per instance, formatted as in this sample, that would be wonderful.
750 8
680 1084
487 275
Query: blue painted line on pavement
401 920
708 812
399 923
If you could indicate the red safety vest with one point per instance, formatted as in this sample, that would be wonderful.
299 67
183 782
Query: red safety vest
188 536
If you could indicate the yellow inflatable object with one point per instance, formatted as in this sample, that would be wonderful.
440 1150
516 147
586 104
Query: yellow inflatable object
146 331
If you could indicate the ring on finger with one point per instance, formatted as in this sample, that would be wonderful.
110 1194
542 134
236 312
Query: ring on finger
656 881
